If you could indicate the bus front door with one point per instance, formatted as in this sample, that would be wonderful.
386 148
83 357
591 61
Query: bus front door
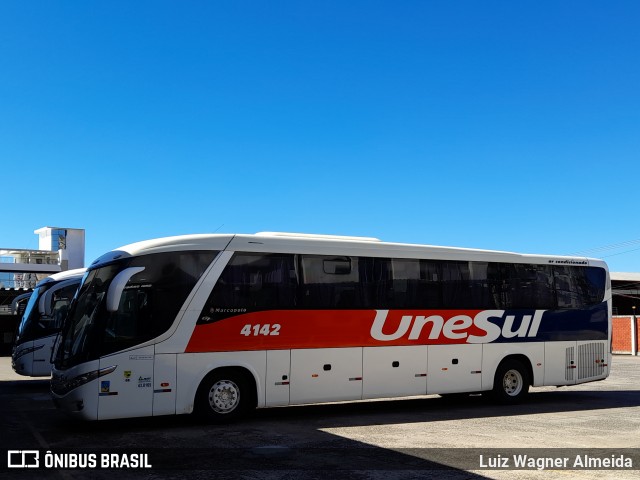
128 390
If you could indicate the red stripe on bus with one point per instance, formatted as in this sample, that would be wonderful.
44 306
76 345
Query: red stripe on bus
295 329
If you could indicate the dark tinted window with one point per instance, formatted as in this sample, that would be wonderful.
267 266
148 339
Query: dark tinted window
525 286
335 282
467 285
33 325
253 282
411 283
399 283
148 305
250 282
61 301
577 287
152 298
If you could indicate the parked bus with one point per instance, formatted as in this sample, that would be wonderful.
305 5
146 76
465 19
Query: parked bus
221 324
42 319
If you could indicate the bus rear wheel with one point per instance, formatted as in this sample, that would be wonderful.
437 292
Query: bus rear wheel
511 383
223 396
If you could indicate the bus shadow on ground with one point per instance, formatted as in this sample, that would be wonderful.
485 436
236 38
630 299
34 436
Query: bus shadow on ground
435 408
378 412
361 414
291 441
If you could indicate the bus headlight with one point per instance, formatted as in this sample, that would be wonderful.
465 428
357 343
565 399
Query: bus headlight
61 385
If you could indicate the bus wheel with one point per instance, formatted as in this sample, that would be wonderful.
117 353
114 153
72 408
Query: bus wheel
222 397
511 383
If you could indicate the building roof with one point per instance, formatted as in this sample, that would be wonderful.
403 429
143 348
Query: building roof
625 276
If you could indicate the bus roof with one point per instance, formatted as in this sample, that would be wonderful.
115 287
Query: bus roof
66 275
297 243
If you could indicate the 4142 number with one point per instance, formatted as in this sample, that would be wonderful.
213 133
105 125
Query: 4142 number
255 330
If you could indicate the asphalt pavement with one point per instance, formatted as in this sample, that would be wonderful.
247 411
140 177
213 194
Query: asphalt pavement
417 437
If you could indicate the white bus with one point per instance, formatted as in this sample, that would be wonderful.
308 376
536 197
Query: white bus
221 324
41 322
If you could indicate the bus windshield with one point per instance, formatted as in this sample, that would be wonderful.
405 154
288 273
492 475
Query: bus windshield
36 324
82 317
152 292
28 325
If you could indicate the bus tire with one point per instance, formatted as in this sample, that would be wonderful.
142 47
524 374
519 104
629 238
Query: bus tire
224 396
511 382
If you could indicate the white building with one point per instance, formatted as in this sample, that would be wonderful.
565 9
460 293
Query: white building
59 249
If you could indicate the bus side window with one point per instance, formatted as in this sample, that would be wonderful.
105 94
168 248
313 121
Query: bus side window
455 283
566 289
578 287
275 286
406 283
431 275
383 281
594 284
253 281
527 286
332 282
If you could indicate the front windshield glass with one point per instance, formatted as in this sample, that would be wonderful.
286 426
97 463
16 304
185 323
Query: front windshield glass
28 324
147 306
82 318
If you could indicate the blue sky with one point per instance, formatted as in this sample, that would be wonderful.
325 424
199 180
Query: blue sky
496 124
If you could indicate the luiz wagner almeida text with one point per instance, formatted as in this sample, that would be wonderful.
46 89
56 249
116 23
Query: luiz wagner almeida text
581 461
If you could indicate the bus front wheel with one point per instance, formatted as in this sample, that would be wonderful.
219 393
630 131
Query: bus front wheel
223 396
511 383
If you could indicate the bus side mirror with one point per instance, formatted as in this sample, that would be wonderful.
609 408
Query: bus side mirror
117 287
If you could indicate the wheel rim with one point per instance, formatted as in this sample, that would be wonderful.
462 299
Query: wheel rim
512 383
224 396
